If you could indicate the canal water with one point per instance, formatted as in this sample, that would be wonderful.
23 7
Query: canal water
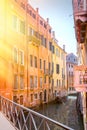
64 113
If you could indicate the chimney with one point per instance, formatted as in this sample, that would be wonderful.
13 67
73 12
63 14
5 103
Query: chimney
64 47
37 9
48 20
53 34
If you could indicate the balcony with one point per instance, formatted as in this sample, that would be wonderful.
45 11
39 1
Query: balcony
48 72
34 40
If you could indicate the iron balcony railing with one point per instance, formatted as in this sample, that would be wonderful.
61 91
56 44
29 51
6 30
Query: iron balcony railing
23 118
48 72
36 41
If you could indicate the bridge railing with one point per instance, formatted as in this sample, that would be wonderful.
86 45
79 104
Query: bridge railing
23 118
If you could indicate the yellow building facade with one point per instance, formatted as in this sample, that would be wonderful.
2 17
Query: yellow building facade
59 70
26 57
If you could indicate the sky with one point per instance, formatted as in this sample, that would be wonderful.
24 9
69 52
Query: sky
60 16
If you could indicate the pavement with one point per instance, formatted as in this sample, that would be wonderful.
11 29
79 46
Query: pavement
5 124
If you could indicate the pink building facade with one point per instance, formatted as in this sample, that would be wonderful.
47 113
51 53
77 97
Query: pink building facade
80 80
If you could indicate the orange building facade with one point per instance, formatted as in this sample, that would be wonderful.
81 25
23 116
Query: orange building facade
25 54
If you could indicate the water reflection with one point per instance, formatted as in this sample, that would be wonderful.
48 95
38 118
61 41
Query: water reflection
64 113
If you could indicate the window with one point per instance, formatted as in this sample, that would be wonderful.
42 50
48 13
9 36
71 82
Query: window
23 5
15 81
44 65
62 55
22 27
15 55
69 73
72 73
56 52
62 72
57 68
31 82
45 42
52 82
62 83
49 80
57 82
35 81
50 46
36 34
31 60
31 97
21 57
40 64
52 67
15 99
41 22
45 26
49 30
35 96
35 61
14 22
53 49
21 99
30 12
31 31
59 53
45 79
49 67
34 16
81 78
42 39
21 82
41 82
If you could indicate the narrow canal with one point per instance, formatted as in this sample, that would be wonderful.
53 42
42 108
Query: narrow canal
65 113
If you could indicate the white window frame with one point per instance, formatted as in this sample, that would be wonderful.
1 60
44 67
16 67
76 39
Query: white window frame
35 83
17 23
41 82
14 55
21 52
